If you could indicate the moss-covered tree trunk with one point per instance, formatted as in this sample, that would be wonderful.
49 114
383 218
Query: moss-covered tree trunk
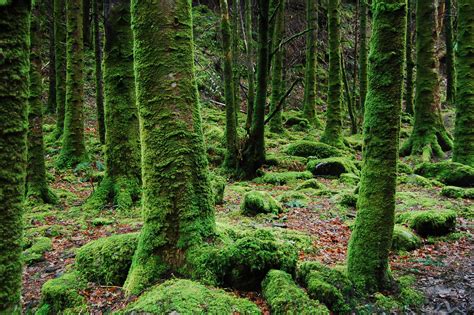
60 62
278 82
73 149
231 156
177 206
235 56
121 183
464 130
410 64
14 68
249 63
310 86
86 22
51 105
253 155
364 12
450 69
429 136
371 240
333 131
37 186
99 96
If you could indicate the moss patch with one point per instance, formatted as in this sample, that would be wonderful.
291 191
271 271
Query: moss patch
331 167
457 192
429 222
35 253
404 239
282 177
218 184
310 183
315 149
349 179
62 293
450 173
256 202
294 199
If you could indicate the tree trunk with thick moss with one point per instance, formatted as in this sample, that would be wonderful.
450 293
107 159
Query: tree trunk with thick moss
410 64
99 96
333 131
86 22
60 63
429 136
249 63
278 82
36 183
235 57
122 180
177 204
364 12
450 69
253 155
51 106
371 240
310 86
73 149
464 130
14 68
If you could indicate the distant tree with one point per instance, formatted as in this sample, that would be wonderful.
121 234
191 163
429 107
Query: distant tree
73 149
235 56
363 16
177 205
14 60
99 90
450 69
464 130
410 64
86 22
429 136
60 62
51 105
333 131
249 62
371 239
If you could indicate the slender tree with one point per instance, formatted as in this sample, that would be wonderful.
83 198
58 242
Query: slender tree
177 208
333 131
60 63
73 149
363 16
450 69
14 61
278 82
371 240
37 185
464 131
99 97
310 86
429 136
235 56
249 62
86 22
51 106
410 64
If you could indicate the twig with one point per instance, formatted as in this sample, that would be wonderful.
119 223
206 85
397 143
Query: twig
280 103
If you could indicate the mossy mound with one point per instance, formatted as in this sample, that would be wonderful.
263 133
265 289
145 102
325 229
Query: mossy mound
179 296
349 179
282 178
296 122
404 239
288 162
60 294
447 172
404 168
315 149
256 202
334 166
430 222
329 286
348 200
37 249
107 260
284 296
457 192
310 183
218 184
294 199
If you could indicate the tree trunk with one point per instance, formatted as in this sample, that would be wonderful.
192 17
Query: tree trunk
450 70
333 131
464 131
235 57
429 137
177 206
14 60
98 72
86 22
371 240
60 63
364 12
51 106
73 149
410 64
350 106
249 63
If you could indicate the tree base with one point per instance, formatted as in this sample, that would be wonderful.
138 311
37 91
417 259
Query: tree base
427 146
43 194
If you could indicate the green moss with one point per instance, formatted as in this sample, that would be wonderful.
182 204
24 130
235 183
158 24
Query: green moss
404 239
349 179
106 261
334 276
407 297
285 161
256 202
285 297
314 149
311 183
63 293
404 168
294 199
38 248
457 192
414 180
282 178
218 184
331 166
189 297
102 221
429 222
296 122
449 173
348 200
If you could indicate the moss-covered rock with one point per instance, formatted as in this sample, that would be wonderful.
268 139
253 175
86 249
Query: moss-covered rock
288 162
294 199
107 260
282 178
284 296
256 202
311 183
349 179
218 184
414 180
430 222
179 296
315 149
334 166
404 168
457 192
35 253
348 200
447 172
296 122
404 239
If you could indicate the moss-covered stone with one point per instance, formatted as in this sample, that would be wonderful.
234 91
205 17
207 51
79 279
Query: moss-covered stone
349 179
282 178
316 149
311 183
294 199
188 297
404 239
284 296
429 222
414 180
450 173
457 192
297 123
348 200
218 184
62 293
35 253
256 202
106 261
331 166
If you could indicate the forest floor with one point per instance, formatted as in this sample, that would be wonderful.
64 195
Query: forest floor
443 266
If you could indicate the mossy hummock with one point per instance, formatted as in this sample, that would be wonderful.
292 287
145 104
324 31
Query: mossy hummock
318 150
430 222
14 90
331 166
447 172
282 178
256 202
404 239
457 192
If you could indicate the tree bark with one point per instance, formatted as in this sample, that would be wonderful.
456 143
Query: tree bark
99 90
410 64
51 106
249 63
60 63
364 12
450 69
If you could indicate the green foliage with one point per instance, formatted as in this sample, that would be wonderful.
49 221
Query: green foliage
285 297
218 184
62 293
189 297
404 168
311 183
429 222
349 179
334 166
414 180
404 239
256 202
107 260
38 248
282 178
318 150
450 173
457 192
